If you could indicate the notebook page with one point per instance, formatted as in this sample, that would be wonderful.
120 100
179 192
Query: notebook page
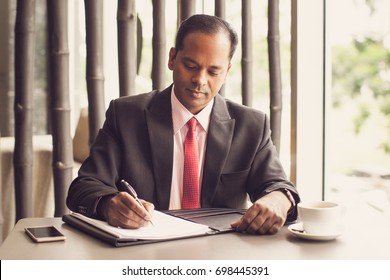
164 227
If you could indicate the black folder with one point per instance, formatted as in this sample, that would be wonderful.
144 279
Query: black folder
217 220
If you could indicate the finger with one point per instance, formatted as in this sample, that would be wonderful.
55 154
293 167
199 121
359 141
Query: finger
274 229
271 225
257 226
126 223
133 204
125 219
260 227
119 219
148 206
121 215
277 225
248 222
235 224
254 213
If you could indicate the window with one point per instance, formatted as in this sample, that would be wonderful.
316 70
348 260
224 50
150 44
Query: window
358 116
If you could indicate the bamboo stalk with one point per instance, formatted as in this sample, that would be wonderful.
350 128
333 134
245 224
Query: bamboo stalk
95 76
247 57
294 92
220 8
24 77
126 20
274 72
6 125
186 9
1 201
220 11
139 43
159 44
60 105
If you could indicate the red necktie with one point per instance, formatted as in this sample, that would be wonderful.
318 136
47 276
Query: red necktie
190 174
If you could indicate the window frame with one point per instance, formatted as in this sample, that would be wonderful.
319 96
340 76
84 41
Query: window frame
308 98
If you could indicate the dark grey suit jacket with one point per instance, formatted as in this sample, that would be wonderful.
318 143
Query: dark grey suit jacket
136 144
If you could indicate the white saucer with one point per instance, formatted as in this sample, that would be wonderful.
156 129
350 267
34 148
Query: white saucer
297 230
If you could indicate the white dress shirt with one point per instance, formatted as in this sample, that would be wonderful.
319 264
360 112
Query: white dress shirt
180 117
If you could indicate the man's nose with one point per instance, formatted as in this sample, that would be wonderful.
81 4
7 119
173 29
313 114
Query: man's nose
199 78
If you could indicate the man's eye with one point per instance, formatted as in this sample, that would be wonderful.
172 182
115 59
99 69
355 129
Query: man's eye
191 67
214 73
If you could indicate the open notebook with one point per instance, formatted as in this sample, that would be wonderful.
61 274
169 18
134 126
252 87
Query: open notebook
168 225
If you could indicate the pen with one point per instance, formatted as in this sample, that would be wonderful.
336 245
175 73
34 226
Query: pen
133 193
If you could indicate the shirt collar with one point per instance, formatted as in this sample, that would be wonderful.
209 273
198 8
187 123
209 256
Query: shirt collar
181 115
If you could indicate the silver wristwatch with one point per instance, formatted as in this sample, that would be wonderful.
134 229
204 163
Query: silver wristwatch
290 198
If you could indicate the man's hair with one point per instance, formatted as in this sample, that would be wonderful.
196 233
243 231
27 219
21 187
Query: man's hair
206 24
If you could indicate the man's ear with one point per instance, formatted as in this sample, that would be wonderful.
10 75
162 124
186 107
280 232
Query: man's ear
229 66
227 71
171 59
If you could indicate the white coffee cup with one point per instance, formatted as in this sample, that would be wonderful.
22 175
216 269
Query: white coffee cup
321 217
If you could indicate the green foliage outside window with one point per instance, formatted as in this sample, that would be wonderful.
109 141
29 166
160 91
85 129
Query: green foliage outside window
361 72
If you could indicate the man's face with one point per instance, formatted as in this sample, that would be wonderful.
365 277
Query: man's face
200 69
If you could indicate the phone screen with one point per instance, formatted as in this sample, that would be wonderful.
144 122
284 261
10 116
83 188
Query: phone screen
45 234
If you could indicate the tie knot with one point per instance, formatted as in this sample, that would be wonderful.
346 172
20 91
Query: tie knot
192 124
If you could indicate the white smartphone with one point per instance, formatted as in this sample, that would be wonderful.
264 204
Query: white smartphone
44 234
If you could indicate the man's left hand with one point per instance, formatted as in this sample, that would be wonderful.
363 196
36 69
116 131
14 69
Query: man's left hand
266 216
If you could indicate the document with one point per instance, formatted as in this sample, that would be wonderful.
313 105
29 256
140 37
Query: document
164 227
167 225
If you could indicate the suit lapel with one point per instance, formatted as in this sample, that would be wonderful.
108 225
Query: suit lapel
219 140
160 128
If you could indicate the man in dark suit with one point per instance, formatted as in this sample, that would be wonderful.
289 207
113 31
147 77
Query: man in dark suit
143 136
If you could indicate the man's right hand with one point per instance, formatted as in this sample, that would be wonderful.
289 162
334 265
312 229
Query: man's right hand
122 210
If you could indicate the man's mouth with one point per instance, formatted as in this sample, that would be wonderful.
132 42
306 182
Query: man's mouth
196 92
